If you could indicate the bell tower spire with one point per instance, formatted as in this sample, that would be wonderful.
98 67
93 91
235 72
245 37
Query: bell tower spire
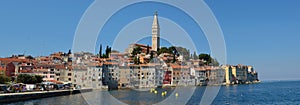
155 33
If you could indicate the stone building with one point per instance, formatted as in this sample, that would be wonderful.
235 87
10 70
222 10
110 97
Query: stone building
155 33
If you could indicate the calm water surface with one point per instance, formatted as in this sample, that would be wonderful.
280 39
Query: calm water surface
265 93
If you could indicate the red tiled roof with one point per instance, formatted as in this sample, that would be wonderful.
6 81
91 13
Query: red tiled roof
111 63
60 66
94 64
25 71
141 45
8 60
179 66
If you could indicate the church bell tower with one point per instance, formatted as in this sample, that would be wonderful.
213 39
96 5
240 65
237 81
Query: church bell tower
155 33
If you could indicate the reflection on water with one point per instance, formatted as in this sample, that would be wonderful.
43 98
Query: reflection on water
141 97
286 93
76 99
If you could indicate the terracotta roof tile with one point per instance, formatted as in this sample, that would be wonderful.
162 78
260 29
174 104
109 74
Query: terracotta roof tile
179 66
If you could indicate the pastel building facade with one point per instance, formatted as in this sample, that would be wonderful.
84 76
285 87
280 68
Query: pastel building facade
239 74
181 75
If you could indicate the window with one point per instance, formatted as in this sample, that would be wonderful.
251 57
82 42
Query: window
51 76
69 79
69 74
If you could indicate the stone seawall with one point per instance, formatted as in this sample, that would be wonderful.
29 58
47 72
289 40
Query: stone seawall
14 97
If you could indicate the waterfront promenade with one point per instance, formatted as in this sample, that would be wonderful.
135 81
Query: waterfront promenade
14 97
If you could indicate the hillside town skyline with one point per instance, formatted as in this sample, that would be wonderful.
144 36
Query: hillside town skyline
139 66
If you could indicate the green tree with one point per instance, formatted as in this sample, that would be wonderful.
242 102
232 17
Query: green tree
23 78
4 79
209 60
181 51
163 50
174 58
148 49
136 50
151 55
29 79
69 52
29 57
32 80
173 50
107 52
104 56
39 79
100 51
188 55
205 57
195 55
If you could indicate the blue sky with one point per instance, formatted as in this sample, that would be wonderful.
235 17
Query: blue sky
262 33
